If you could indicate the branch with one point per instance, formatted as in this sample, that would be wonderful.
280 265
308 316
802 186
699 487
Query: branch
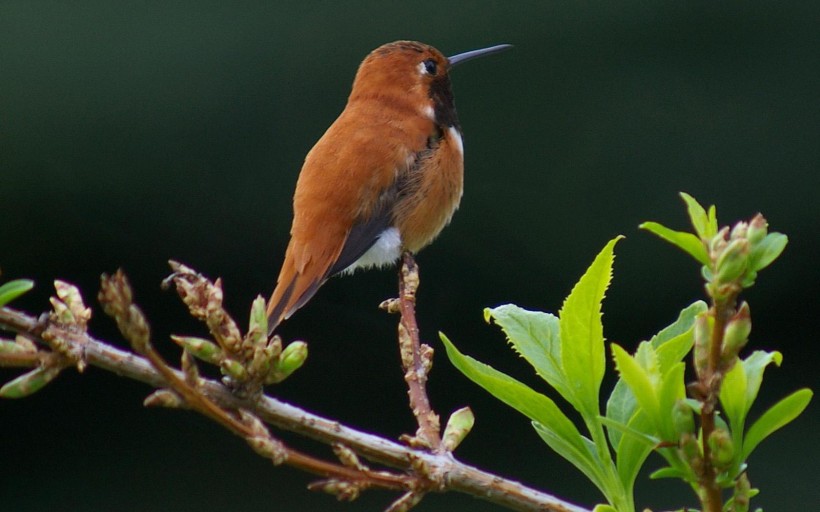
416 358
458 476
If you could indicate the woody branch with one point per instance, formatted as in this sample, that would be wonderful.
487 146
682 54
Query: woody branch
244 415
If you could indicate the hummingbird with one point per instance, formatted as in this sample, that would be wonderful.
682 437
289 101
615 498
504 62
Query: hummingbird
386 176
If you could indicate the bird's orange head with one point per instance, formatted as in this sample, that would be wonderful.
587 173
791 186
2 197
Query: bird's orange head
415 73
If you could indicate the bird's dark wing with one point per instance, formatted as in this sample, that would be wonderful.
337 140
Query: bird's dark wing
364 234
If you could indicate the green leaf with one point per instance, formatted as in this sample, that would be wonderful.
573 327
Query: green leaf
672 389
672 343
738 392
713 223
639 381
778 416
517 395
620 407
674 350
535 336
636 431
585 459
754 365
582 333
13 289
684 322
604 508
686 241
767 250
700 221
668 472
733 398
550 423
636 443
634 448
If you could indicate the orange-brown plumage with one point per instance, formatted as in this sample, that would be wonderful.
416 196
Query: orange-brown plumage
391 160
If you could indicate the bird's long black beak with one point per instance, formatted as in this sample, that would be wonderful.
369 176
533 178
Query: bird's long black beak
464 57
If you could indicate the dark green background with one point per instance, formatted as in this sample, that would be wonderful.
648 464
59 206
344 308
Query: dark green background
133 134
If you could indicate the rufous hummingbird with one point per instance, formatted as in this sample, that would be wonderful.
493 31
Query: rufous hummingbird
386 177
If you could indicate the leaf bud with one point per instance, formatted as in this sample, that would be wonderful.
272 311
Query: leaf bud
722 447
732 261
291 359
737 332
458 426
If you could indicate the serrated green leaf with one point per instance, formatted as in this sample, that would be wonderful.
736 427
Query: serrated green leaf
687 242
697 215
767 250
778 416
13 289
647 357
582 333
535 336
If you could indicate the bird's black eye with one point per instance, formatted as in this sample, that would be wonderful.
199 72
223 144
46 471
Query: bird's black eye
431 67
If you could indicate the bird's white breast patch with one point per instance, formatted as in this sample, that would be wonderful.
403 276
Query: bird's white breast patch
384 252
457 138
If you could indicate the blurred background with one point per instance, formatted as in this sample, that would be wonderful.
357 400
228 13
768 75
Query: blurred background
131 133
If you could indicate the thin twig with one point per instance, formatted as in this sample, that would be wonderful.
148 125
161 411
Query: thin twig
115 297
460 477
416 358
711 382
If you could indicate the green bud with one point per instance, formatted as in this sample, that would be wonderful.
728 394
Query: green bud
261 362
233 369
290 360
74 311
25 343
683 418
758 228
718 242
200 348
258 324
11 347
458 426
733 261
343 490
269 448
723 449
690 451
737 333
163 398
739 230
274 347
740 501
29 383
702 341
